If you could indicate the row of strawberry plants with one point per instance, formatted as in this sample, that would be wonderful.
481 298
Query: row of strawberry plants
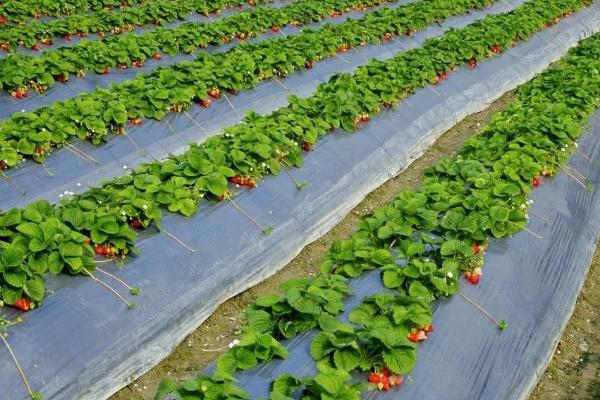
92 116
156 12
133 50
422 243
107 216
19 11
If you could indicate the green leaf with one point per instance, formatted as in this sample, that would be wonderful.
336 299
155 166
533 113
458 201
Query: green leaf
400 360
34 288
346 359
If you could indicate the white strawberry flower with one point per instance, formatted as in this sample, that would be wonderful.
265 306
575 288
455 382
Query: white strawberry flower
145 206
234 343
450 274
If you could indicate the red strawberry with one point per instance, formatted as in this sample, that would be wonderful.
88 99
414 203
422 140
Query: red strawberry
2 19
67 37
413 337
275 28
136 224
100 34
100 250
214 92
157 57
468 275
364 118
35 47
429 329
3 166
476 248
5 46
217 12
307 146
443 75
105 71
135 121
387 36
537 181
122 66
309 65
474 279
374 378
23 304
205 102
385 372
472 63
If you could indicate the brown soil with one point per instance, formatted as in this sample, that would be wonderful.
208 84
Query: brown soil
573 374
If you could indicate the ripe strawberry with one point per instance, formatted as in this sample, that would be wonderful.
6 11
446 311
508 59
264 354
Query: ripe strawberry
413 337
105 71
385 372
135 121
2 19
387 36
205 102
100 250
3 165
275 28
214 92
100 34
537 181
474 279
217 12
157 57
307 146
309 65
472 63
35 47
122 66
476 248
5 46
443 75
365 117
429 329
136 224
38 150
374 378
23 304
46 41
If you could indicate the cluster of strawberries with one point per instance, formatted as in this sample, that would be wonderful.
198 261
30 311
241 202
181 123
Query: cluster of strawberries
385 380
243 181
418 335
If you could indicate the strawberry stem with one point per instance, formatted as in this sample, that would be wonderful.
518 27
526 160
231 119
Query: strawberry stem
132 290
107 286
259 226
281 83
21 373
195 122
81 154
299 185
177 240
527 230
232 106
545 219
12 182
50 173
499 324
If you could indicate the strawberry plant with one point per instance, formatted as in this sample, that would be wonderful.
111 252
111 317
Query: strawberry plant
177 86
156 12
